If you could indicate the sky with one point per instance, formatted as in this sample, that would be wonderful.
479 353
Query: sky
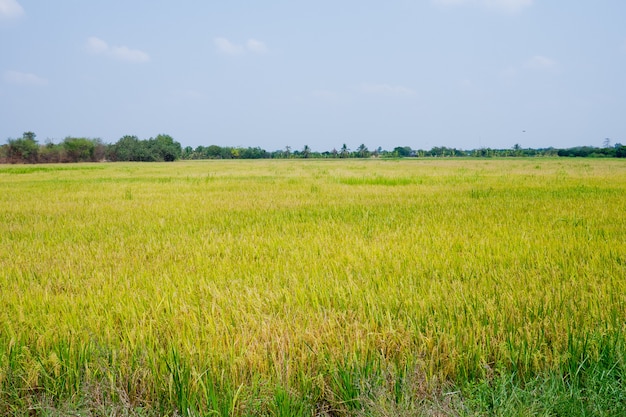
467 74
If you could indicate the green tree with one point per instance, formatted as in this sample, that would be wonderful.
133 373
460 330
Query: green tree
214 152
4 150
128 148
187 152
402 151
164 148
50 152
306 151
25 149
345 152
362 151
79 149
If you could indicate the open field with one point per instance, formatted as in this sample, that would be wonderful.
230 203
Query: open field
327 287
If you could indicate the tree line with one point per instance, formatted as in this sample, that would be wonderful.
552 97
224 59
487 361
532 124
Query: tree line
129 148
164 148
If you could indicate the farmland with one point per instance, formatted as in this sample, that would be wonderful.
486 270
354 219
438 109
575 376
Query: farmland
327 287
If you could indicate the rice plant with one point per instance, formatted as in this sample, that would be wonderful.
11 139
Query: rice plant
294 287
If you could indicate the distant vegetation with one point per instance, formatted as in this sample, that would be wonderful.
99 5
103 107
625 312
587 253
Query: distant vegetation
26 149
164 148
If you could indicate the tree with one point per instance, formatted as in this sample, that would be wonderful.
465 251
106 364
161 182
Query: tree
128 148
187 152
362 151
402 151
3 153
214 152
306 152
79 149
345 152
25 149
164 148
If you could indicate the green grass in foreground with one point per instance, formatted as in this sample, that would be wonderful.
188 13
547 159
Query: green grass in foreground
422 287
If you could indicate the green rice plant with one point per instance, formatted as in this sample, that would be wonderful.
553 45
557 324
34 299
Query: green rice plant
288 404
276 287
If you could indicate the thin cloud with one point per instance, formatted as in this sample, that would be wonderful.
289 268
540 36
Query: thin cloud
10 9
255 46
227 47
23 78
386 90
507 6
97 46
123 53
541 63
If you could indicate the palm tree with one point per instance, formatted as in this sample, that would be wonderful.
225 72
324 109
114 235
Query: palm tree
362 151
345 152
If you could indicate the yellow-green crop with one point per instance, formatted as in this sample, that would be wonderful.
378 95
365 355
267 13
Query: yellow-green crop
302 287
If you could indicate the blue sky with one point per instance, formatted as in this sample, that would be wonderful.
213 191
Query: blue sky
418 73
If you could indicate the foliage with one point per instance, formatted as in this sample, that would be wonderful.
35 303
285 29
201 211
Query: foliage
131 148
165 148
24 149
82 150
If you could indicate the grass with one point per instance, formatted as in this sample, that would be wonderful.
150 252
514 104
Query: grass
411 287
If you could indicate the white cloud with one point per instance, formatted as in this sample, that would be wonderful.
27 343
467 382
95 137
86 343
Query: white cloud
385 89
227 47
123 53
126 54
97 46
255 46
541 63
508 6
23 78
10 9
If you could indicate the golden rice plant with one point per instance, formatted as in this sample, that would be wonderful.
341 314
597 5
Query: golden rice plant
299 287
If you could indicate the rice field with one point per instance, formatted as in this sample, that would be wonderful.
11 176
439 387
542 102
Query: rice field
324 287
